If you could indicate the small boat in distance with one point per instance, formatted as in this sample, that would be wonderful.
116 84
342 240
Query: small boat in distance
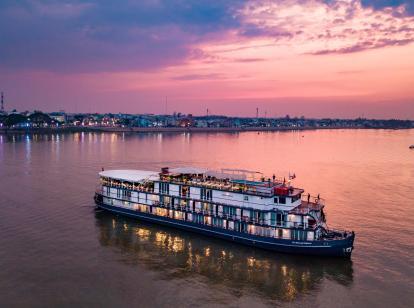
236 205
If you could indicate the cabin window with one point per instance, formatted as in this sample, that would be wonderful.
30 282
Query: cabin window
282 200
279 218
164 188
275 200
229 210
126 194
257 216
233 211
246 198
298 235
206 194
280 233
272 219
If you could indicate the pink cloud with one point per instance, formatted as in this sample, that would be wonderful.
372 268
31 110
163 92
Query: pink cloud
334 27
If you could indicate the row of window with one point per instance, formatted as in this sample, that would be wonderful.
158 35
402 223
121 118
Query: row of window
206 207
207 194
225 211
239 226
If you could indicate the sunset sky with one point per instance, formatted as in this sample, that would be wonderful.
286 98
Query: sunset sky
336 58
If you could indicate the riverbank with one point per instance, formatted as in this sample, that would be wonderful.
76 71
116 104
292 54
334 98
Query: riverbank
76 129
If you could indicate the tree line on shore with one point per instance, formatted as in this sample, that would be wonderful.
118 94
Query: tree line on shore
35 119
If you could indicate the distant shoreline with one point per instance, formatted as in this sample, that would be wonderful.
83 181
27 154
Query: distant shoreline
176 129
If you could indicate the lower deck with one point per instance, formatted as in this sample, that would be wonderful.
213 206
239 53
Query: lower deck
288 245
281 230
221 227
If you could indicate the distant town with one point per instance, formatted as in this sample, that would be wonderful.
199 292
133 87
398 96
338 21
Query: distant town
62 121
37 120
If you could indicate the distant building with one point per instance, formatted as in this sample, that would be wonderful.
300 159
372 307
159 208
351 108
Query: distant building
58 116
187 121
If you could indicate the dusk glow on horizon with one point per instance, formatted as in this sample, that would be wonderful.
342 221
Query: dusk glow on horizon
317 58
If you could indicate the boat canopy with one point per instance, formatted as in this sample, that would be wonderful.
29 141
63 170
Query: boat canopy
131 175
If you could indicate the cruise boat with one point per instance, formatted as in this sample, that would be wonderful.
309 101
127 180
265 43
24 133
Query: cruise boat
237 205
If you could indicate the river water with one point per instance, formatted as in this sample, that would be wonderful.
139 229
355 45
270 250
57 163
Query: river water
57 250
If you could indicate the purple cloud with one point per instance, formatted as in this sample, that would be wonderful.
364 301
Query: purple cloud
78 36
107 35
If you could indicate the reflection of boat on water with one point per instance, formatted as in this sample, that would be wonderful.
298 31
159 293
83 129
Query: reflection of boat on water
231 205
177 254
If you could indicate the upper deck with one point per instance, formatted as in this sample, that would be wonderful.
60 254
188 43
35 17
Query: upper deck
209 186
237 182
306 207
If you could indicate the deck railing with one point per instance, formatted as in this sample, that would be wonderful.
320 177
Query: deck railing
313 199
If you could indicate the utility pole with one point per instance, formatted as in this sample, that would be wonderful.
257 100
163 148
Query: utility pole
257 112
207 111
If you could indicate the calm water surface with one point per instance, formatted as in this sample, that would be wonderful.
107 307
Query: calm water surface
57 250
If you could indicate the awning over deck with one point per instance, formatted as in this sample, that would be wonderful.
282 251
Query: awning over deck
130 175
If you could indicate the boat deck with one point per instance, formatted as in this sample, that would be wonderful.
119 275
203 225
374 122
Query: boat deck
305 207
